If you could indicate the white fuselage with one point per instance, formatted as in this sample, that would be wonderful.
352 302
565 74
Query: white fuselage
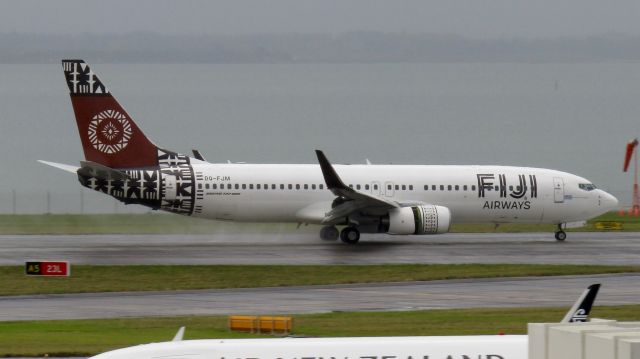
451 347
473 194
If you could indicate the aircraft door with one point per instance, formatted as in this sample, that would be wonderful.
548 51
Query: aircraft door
558 190
388 189
375 188
169 187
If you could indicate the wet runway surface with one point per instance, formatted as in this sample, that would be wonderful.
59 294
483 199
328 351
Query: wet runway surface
305 248
501 292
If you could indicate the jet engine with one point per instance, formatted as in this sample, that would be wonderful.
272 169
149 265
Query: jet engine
425 219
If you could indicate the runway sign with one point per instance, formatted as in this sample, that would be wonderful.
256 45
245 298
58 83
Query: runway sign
48 268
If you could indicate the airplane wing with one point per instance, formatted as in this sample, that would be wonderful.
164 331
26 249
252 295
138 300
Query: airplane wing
352 200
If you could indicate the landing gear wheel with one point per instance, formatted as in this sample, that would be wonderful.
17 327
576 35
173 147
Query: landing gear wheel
329 233
561 235
350 235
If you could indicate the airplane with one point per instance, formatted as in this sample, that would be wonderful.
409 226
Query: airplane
433 347
122 162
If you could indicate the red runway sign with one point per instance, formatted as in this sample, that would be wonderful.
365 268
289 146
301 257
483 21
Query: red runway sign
48 268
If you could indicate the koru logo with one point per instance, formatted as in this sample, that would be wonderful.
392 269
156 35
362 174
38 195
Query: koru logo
579 316
109 131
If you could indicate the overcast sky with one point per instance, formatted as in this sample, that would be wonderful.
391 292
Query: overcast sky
471 18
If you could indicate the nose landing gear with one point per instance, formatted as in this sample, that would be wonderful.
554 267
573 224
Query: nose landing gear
560 234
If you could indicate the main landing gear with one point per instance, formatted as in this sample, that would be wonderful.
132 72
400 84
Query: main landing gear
349 235
560 234
329 233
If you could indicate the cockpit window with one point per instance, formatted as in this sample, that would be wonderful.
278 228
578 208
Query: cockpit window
587 186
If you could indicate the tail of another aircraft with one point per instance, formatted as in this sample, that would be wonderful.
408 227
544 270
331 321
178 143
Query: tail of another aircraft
580 310
109 135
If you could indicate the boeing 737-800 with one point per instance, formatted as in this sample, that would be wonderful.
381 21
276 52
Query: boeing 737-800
396 199
444 347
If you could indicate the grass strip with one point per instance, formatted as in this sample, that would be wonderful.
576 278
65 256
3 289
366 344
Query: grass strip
159 223
89 337
86 278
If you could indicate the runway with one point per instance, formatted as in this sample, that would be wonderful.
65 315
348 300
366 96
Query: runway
304 247
501 292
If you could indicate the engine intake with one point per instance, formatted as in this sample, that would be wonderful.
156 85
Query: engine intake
427 219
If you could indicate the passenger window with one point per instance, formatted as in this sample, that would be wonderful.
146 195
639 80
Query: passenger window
306 186
473 187
313 186
404 187
457 188
350 186
433 187
358 186
244 186
442 187
214 186
281 186
251 185
510 188
290 186
426 187
273 186
410 187
449 188
366 187
237 186
397 187
389 187
321 186
375 187
297 186
496 188
199 185
206 186
464 188
258 186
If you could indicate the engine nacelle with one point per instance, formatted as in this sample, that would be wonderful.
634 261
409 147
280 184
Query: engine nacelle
427 219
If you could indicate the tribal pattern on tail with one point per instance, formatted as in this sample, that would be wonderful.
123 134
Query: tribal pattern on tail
176 169
170 186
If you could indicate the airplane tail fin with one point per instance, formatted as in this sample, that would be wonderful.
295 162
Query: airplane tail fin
109 135
582 307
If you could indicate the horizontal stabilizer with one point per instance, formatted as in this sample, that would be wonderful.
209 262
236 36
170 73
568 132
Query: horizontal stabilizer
62 166
92 169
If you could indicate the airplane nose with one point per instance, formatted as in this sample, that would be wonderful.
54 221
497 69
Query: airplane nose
608 201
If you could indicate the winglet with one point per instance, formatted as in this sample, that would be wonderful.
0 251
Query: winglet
582 307
179 335
331 178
